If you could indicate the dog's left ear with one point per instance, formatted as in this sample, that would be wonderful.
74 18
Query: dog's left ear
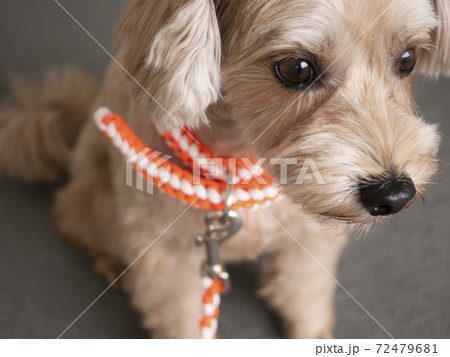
173 49
437 60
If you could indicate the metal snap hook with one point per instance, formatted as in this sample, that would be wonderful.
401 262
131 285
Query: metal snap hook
220 226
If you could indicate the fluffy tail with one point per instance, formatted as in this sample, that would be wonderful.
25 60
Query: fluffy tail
39 124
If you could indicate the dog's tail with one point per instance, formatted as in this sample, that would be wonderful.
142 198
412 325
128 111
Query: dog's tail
40 122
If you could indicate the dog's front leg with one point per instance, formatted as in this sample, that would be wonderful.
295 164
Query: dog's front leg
165 285
297 281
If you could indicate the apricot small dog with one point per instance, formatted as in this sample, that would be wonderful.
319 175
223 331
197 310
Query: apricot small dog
323 79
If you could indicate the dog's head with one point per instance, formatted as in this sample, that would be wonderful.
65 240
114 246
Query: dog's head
327 80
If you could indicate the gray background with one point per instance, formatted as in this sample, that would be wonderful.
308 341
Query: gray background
400 273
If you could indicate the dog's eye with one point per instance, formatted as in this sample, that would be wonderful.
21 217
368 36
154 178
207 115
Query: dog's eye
295 72
408 62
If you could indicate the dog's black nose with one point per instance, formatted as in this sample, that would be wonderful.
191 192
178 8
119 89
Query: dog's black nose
382 198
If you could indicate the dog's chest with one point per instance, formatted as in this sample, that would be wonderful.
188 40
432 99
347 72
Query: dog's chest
262 227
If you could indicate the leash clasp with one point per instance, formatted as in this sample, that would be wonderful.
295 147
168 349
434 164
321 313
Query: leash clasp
220 226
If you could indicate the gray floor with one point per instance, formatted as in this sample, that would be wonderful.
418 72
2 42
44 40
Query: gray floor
400 274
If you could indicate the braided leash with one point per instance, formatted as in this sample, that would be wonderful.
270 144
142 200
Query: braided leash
187 146
199 191
211 301
234 184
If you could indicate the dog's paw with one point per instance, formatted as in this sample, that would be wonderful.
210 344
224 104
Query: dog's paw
109 268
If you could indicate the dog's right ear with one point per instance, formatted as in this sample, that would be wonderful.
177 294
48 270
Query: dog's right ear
172 48
436 61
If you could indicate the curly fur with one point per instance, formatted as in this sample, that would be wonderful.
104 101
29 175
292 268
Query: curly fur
39 123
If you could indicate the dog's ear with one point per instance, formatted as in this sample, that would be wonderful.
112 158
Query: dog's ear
173 49
436 61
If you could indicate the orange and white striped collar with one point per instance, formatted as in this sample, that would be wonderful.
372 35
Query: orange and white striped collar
195 184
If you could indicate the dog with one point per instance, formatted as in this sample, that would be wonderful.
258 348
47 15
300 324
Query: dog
328 80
